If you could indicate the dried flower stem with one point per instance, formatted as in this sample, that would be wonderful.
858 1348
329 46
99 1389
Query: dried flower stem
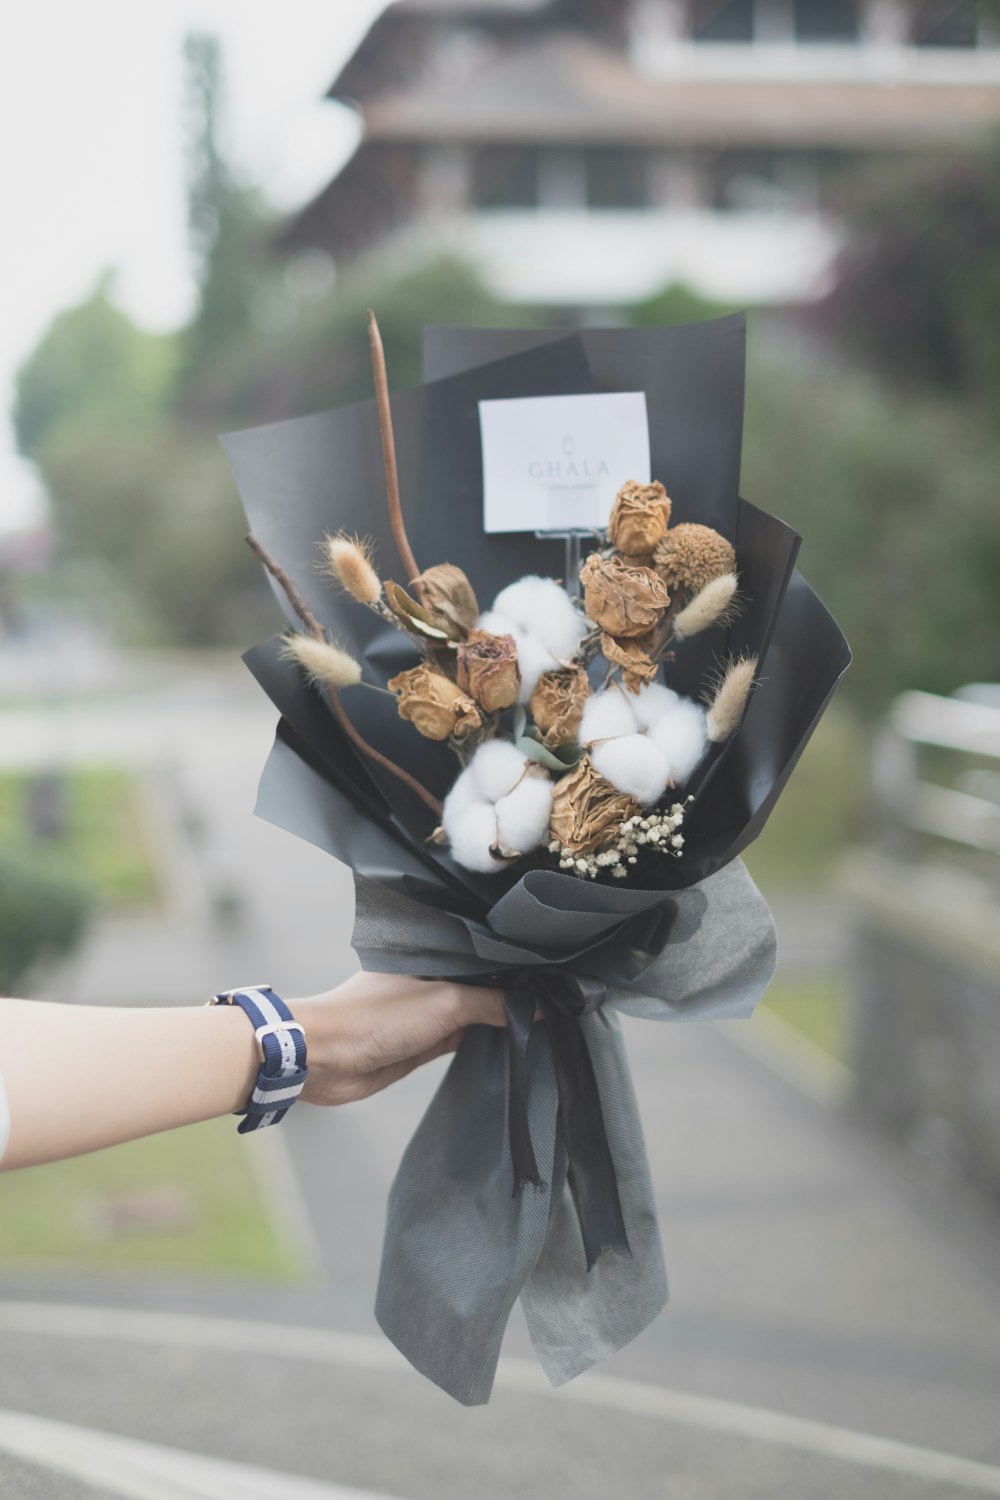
357 739
389 458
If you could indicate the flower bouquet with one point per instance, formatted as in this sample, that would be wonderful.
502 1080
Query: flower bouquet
541 771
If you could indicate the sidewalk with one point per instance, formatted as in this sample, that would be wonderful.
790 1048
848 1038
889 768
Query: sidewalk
812 1275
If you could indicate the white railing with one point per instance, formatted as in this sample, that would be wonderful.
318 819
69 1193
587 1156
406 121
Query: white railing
960 802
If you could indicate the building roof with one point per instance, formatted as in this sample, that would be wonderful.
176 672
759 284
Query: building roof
400 30
564 88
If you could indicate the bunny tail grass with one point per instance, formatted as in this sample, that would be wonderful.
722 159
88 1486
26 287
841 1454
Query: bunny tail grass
711 605
726 708
349 560
326 664
355 736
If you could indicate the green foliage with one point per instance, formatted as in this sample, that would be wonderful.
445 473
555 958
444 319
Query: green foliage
675 303
98 833
93 371
43 913
895 496
64 1212
918 292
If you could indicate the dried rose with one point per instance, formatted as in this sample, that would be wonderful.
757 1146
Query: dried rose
557 705
433 704
587 811
639 517
448 593
690 556
622 599
487 669
632 655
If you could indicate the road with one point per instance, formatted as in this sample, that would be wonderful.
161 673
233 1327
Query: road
834 1328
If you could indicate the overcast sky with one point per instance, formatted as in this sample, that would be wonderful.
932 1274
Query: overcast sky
91 171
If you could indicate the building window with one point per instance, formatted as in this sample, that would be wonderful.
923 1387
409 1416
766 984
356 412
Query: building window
617 178
505 177
945 23
826 21
722 20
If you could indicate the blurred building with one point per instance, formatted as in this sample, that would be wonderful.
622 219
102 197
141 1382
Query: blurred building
591 151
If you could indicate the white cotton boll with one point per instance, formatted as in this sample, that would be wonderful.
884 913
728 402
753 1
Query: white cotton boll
635 765
555 621
523 815
496 767
471 837
518 600
463 794
497 623
682 735
652 702
607 715
533 658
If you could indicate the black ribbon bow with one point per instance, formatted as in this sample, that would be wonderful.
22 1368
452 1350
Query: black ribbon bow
563 997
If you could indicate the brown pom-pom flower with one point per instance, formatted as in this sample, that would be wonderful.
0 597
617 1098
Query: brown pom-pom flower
488 670
557 705
587 811
632 655
433 704
689 556
639 517
623 599
448 593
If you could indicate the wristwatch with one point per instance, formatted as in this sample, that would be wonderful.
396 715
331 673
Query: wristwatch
281 1047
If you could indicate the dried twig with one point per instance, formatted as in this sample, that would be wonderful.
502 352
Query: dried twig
357 739
389 458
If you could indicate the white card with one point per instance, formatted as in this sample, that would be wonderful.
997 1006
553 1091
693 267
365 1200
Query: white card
555 463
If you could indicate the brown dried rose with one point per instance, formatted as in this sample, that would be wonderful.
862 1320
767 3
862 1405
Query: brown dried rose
433 704
621 598
587 811
639 517
488 670
632 655
557 705
690 556
448 593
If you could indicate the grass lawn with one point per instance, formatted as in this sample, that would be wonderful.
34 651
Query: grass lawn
186 1201
819 813
816 1006
104 842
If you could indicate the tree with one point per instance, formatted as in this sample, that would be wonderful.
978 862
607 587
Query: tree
918 284
92 371
227 222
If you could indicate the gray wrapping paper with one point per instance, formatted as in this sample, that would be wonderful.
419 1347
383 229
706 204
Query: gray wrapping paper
460 1246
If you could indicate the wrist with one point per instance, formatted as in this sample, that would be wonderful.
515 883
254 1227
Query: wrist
279 1066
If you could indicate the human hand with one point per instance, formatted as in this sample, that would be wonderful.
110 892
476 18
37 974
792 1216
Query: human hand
375 1028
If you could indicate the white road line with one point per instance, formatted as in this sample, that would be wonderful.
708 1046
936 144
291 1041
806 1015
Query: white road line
137 1470
606 1392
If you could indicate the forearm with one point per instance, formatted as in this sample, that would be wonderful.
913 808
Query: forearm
79 1078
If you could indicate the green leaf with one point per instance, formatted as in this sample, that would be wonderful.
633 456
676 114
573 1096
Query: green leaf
520 721
534 751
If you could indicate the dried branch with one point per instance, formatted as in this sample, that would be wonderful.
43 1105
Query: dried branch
357 739
389 458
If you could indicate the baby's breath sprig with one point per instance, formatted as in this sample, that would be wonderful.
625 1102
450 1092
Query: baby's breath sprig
654 831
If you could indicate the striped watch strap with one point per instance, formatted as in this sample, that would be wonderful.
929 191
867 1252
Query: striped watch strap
281 1047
